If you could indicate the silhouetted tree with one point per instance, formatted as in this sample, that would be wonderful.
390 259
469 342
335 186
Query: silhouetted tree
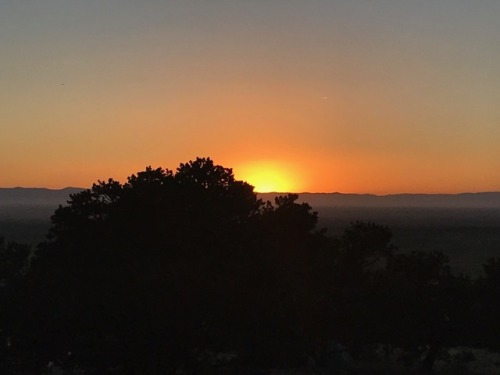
488 305
361 255
14 261
155 274
380 296
167 271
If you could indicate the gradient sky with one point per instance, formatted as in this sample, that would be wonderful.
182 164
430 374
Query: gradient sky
379 96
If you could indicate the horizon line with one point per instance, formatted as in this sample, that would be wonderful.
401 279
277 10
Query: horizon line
282 192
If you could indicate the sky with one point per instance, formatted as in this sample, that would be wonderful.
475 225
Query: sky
360 96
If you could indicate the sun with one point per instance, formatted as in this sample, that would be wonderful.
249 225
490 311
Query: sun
268 177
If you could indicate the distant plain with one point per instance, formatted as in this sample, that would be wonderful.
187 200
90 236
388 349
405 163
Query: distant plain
468 235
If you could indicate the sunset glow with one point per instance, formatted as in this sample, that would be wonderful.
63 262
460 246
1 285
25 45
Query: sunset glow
363 96
267 177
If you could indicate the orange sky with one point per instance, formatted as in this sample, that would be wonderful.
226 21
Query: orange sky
380 97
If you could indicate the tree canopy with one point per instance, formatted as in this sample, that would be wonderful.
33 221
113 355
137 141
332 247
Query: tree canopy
166 267
189 271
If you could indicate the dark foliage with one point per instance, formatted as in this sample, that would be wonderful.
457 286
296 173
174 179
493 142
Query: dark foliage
14 261
152 275
188 270
487 306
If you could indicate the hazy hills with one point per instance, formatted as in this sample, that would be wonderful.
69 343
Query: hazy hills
47 197
35 196
464 200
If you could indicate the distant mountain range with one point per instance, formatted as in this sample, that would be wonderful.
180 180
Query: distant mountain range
464 200
35 196
48 197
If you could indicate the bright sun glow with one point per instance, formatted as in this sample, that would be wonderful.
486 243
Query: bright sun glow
268 177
